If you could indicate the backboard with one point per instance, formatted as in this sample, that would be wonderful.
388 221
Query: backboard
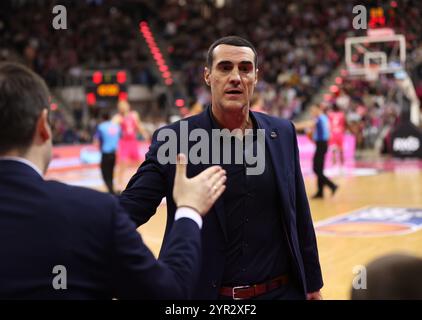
381 51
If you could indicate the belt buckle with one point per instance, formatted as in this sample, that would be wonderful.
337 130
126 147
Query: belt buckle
234 291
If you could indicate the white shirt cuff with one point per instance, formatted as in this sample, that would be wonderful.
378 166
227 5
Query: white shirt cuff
185 212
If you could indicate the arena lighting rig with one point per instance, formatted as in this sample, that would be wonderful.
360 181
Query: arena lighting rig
160 62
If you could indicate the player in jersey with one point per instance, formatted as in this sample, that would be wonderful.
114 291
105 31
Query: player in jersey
130 125
338 129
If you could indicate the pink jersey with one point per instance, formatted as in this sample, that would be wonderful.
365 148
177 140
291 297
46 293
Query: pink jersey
128 126
337 122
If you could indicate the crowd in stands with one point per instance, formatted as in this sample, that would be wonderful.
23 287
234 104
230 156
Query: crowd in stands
299 44
295 59
99 35
370 107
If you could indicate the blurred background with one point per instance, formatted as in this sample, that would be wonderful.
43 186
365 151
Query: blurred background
152 54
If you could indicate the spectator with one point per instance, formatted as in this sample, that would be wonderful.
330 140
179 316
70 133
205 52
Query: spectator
392 277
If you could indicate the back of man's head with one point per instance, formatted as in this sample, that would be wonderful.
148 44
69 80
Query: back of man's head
23 96
392 277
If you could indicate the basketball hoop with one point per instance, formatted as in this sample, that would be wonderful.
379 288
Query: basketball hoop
382 48
372 72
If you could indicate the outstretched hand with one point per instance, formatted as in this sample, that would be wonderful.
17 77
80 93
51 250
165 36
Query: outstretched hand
199 192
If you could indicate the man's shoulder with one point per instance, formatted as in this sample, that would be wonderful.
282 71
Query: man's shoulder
176 126
324 117
101 126
79 196
104 126
93 210
189 120
269 120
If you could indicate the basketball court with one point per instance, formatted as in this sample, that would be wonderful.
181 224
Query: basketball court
383 184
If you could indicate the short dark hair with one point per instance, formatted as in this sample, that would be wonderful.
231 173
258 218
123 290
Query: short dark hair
105 115
336 107
232 41
23 96
395 276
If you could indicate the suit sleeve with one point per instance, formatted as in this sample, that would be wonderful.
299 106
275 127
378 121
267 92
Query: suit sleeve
136 274
305 229
146 188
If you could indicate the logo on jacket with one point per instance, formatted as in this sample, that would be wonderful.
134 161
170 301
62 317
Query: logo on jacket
373 221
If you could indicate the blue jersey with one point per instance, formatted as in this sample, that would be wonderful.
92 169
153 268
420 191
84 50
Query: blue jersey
109 134
322 128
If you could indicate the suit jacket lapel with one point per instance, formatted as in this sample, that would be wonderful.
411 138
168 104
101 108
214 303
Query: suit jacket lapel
204 122
273 142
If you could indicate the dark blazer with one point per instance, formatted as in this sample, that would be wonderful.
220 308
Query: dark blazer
153 181
46 223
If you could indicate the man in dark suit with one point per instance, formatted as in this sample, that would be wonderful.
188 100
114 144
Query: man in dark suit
259 242
64 242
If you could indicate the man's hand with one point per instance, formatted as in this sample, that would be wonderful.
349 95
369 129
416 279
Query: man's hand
199 192
314 295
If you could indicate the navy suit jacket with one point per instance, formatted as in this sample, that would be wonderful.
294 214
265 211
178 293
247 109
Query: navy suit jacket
44 224
153 181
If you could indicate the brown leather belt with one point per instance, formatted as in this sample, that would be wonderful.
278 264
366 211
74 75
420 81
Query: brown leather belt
248 292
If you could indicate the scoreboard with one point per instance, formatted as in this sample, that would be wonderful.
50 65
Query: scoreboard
382 16
106 87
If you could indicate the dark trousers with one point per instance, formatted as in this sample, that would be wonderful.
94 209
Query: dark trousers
319 160
108 161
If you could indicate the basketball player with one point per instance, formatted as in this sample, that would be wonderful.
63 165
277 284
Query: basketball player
338 129
130 124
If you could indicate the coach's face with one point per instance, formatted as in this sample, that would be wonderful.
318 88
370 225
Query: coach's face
232 78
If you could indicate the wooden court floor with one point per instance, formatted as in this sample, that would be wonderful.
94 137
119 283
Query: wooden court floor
339 254
395 187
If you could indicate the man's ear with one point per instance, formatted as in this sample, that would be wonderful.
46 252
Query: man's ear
207 74
43 128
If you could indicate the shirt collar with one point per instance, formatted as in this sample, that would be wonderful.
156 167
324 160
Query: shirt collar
215 125
24 161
